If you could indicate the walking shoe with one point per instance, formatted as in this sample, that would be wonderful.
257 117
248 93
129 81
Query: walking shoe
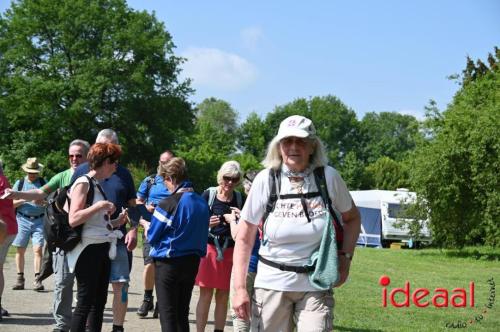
19 283
146 306
156 312
37 286
4 312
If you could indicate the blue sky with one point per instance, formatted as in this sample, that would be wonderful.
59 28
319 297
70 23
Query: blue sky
373 55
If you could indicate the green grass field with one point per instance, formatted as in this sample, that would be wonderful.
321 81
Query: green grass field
359 301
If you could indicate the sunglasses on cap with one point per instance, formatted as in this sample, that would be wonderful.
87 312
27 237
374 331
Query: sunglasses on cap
231 179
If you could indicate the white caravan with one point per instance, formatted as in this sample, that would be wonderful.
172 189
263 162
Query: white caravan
379 211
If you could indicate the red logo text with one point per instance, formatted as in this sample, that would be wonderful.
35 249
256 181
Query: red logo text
423 297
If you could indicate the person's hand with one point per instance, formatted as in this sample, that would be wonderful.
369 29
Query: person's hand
131 239
10 194
241 304
123 217
150 208
214 221
106 206
344 265
233 216
145 224
40 202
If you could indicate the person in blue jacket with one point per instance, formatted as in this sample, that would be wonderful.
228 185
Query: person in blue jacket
151 191
178 236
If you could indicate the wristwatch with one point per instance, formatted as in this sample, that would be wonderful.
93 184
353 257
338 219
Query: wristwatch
346 254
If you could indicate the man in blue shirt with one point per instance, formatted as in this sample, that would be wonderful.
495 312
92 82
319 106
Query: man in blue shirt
151 191
119 190
29 217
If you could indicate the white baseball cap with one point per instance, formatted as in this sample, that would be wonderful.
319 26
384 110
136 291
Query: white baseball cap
296 126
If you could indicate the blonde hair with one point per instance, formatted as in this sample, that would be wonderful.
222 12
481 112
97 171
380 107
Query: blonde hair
273 157
175 169
229 168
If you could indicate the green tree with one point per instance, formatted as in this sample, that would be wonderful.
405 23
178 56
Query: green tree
212 142
388 134
219 114
385 174
457 171
353 172
252 136
73 67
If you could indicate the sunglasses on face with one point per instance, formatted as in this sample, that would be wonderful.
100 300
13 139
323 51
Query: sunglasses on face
75 156
231 179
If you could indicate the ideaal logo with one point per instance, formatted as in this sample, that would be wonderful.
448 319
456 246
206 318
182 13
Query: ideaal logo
440 297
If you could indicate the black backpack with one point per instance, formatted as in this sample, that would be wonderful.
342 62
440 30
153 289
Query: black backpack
58 233
319 178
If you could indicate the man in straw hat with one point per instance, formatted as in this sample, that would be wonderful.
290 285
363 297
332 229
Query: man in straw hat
29 217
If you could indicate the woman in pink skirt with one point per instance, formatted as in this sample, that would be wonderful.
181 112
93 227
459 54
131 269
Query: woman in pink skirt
215 269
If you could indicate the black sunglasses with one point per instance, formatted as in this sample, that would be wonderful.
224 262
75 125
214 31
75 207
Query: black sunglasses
75 156
233 180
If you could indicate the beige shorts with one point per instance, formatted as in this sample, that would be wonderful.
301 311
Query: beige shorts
282 311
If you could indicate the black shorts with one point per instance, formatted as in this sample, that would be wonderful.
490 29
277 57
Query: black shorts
146 247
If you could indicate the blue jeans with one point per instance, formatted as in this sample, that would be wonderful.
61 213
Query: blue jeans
63 290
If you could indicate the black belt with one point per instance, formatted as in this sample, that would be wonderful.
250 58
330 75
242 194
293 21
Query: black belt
289 268
30 217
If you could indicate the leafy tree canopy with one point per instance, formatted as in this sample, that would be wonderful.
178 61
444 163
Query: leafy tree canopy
72 67
457 172
388 134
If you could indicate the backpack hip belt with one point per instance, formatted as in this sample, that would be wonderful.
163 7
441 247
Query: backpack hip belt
288 268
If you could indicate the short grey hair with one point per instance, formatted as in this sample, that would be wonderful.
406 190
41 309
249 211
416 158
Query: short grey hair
82 143
273 157
107 136
229 168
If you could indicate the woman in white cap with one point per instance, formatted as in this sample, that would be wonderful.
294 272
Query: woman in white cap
29 217
285 296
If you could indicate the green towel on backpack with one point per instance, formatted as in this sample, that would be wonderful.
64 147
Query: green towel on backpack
325 273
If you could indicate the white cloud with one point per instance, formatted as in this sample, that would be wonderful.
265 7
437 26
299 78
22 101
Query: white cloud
214 68
250 37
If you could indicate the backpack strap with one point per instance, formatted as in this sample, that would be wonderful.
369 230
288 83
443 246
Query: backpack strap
90 194
239 200
20 185
320 179
42 181
212 192
275 187
150 182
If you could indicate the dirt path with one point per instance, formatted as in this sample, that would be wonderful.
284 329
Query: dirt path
31 311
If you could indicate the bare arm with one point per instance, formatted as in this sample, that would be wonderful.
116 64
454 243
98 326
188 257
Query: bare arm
28 195
131 236
78 214
18 202
241 257
352 226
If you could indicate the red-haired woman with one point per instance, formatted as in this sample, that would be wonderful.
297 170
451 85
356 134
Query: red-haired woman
90 259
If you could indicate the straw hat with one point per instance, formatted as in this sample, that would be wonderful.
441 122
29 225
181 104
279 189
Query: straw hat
32 166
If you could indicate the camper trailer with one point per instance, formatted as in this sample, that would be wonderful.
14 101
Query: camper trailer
379 212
